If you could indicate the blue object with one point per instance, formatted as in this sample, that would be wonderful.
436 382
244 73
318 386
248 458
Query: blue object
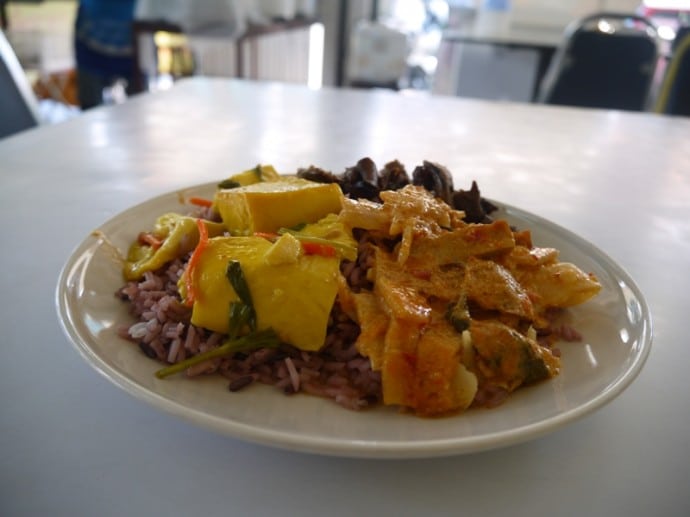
103 37
496 5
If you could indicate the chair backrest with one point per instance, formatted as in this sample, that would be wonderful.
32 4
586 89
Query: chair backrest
674 94
606 60
18 104
681 32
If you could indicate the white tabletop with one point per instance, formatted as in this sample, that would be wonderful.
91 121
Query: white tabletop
74 444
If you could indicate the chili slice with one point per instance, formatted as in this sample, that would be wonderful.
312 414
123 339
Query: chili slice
315 248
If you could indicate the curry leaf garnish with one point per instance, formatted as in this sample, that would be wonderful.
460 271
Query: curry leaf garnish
298 227
239 317
235 275
260 339
226 184
458 314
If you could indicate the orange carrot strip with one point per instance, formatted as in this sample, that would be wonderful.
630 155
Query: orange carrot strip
315 248
267 235
193 261
150 239
200 201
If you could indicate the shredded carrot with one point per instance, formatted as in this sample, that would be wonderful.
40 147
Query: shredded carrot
267 235
315 248
193 261
150 239
200 201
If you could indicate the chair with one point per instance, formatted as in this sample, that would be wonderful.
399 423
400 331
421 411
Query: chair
681 32
606 60
18 105
674 94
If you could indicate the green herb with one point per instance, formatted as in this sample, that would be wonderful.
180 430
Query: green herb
261 339
458 314
226 184
240 315
259 173
235 275
532 365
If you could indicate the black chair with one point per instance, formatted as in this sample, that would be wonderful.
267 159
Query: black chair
681 32
18 105
674 94
606 60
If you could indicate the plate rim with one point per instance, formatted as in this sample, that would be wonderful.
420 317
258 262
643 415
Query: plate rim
293 441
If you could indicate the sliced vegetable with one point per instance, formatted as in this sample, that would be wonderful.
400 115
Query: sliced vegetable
188 276
285 250
269 236
173 236
317 248
328 231
239 284
240 316
458 314
149 239
200 201
228 183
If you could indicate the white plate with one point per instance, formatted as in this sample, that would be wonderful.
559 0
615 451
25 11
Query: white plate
616 326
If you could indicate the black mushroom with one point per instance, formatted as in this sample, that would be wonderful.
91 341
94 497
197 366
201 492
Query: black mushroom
393 176
476 208
436 179
365 181
362 180
318 175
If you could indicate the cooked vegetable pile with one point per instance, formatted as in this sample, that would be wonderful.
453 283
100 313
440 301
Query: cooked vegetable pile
450 306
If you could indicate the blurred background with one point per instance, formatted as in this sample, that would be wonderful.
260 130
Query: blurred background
75 55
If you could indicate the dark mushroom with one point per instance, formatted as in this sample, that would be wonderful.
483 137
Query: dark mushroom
393 176
316 174
476 208
362 180
436 179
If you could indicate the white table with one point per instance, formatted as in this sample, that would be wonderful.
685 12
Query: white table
73 444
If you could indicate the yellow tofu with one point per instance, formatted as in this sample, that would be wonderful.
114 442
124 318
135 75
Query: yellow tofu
293 298
269 206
